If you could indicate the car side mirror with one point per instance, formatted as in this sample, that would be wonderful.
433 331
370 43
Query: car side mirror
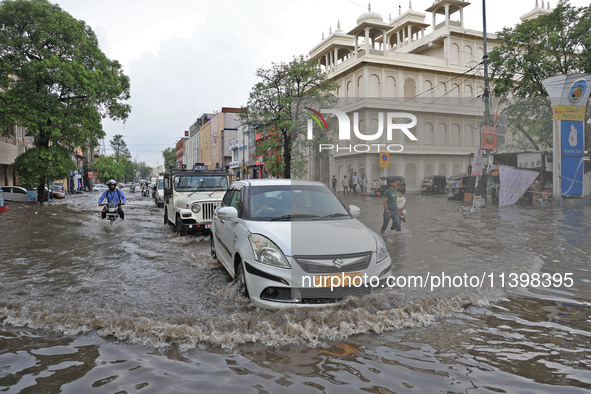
354 210
227 213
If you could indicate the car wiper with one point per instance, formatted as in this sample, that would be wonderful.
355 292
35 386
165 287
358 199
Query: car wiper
332 215
293 216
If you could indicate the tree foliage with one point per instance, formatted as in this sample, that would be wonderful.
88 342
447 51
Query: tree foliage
276 111
108 167
119 147
40 162
56 81
551 44
169 155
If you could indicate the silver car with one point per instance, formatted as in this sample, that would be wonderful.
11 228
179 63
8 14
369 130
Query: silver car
294 243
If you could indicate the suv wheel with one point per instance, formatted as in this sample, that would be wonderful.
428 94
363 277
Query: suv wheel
182 231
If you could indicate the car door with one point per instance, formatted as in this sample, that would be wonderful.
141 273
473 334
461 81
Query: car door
220 229
228 229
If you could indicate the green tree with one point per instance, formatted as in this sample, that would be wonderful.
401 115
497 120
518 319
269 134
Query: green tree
169 155
551 44
108 167
276 108
144 170
119 147
57 84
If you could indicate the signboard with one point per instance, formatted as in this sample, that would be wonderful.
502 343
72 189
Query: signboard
477 167
31 195
384 160
529 160
569 95
199 167
489 138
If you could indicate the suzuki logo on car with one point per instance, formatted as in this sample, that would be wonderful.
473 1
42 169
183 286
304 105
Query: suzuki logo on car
390 119
338 263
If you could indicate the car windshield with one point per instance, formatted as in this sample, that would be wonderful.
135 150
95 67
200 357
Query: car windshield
454 183
295 203
195 183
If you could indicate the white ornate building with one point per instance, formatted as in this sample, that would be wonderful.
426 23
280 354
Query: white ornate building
433 71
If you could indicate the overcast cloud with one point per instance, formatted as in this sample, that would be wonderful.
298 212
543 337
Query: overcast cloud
185 57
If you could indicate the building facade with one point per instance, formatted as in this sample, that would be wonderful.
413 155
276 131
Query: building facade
405 65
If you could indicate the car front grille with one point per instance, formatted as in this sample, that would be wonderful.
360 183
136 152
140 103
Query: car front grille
324 295
334 264
207 210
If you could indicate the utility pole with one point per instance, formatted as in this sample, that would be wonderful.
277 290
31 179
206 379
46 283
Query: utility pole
480 185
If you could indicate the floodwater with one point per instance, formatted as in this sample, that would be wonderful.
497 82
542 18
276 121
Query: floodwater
136 308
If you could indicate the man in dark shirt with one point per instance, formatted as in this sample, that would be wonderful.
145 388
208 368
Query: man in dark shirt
390 208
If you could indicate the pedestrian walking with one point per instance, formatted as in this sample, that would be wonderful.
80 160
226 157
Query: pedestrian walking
355 182
345 184
363 185
391 210
334 184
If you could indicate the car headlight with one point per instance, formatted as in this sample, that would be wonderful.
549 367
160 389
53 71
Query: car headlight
196 208
382 250
266 252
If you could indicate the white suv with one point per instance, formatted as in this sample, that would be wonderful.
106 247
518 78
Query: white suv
190 198
294 243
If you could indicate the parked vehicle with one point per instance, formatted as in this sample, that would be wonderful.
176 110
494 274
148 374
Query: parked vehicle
191 196
159 192
289 242
57 192
99 187
383 184
434 184
458 185
14 193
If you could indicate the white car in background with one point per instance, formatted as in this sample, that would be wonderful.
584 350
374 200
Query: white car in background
14 193
290 243
99 187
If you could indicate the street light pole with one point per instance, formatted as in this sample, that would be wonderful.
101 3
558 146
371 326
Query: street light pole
480 185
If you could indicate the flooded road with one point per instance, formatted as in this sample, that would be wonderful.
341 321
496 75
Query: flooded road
137 308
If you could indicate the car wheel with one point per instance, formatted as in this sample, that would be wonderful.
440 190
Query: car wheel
241 280
179 226
212 247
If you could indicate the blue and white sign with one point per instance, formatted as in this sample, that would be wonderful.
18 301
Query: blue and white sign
572 138
572 176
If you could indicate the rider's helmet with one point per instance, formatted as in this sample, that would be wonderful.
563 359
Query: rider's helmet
111 182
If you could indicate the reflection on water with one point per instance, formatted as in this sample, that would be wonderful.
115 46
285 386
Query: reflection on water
135 306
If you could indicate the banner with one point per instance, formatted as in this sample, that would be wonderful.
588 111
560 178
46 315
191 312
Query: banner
514 183
489 138
477 167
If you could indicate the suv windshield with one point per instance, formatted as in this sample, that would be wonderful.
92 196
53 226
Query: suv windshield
295 202
194 183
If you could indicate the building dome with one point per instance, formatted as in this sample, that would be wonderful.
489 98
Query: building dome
370 17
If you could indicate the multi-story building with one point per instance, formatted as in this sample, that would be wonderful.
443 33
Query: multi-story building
180 151
432 71
224 128
12 145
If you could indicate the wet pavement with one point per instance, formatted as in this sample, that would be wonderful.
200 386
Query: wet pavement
138 308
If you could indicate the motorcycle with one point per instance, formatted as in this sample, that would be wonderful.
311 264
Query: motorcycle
112 213
132 188
145 191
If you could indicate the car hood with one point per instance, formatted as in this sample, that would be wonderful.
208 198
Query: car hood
316 238
185 201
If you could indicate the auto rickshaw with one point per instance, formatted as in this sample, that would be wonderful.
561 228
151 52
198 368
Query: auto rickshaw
382 184
458 185
433 184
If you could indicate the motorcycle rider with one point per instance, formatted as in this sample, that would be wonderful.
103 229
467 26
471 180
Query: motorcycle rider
113 195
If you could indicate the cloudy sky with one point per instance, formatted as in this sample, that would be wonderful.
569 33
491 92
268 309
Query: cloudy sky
188 57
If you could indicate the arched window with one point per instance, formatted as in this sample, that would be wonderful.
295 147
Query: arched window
410 174
410 88
390 87
428 169
442 134
454 55
427 134
455 135
374 86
